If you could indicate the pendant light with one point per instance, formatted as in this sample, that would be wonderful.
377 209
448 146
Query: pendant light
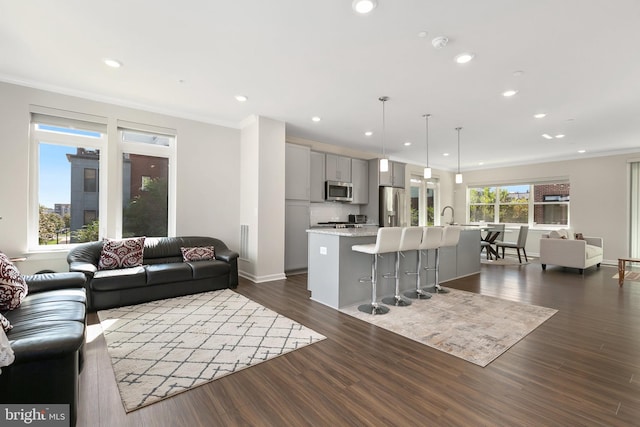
427 170
458 175
384 161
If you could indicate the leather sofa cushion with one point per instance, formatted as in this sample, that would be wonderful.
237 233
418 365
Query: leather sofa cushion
113 280
44 312
206 269
43 341
167 273
50 281
59 295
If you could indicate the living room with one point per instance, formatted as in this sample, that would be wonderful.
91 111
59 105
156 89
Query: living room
230 173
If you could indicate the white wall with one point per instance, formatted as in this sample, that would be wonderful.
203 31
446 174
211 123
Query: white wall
208 161
599 195
262 184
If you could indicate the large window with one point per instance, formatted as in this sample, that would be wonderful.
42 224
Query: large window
514 204
423 197
145 189
78 193
68 157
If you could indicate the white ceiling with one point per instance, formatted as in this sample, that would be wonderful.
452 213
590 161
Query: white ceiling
296 59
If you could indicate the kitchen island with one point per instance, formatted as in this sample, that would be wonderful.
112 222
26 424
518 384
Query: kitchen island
334 269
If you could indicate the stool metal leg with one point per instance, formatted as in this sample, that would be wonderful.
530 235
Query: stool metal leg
439 289
397 300
418 292
374 307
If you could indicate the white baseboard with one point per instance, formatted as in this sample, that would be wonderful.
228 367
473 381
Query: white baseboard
262 279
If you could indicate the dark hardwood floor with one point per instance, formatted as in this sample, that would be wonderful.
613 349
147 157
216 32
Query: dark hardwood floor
580 368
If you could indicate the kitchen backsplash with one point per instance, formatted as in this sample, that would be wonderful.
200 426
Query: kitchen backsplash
325 212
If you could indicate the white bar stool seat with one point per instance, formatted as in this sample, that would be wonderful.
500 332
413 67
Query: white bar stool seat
387 241
431 239
409 241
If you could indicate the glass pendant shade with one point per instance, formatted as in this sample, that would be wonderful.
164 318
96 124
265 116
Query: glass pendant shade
427 173
384 165
458 178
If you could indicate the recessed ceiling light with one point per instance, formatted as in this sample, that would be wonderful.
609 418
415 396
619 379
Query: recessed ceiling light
465 57
316 118
406 144
422 34
560 136
364 6
582 151
440 42
368 133
508 93
241 98
113 63
547 136
518 73
480 163
445 154
540 115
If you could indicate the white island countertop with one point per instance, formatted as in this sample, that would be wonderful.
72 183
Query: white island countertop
368 231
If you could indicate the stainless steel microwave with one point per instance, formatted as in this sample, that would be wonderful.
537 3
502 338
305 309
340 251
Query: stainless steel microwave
336 191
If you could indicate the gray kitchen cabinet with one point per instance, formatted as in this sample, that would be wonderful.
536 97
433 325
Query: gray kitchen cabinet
360 181
297 175
317 178
296 217
394 177
338 168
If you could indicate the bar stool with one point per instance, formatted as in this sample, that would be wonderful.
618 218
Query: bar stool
431 239
409 241
450 237
387 241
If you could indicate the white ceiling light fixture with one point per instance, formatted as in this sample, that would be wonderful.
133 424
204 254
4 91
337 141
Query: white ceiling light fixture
547 136
582 151
241 98
464 57
368 133
509 93
560 135
384 161
440 42
458 175
315 119
113 63
427 169
364 6
407 144
540 115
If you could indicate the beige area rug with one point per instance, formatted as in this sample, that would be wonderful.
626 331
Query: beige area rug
162 348
632 276
473 327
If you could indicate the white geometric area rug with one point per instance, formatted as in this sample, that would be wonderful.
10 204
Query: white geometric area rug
162 348
473 327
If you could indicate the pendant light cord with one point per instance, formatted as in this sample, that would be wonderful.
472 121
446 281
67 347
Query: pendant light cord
458 129
426 116
383 99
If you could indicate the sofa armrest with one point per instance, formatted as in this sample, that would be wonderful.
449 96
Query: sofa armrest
83 267
226 255
564 252
52 281
594 241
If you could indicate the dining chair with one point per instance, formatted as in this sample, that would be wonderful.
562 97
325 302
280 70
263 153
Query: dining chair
520 244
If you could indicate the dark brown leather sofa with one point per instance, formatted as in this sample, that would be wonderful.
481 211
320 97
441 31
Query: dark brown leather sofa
47 339
162 275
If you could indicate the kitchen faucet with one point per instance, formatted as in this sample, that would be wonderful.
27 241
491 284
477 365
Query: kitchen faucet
452 213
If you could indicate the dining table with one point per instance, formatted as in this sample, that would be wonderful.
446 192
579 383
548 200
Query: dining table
491 234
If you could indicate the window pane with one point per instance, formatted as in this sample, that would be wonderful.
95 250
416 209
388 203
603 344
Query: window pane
514 194
61 193
482 213
482 195
90 180
146 138
548 203
518 214
145 200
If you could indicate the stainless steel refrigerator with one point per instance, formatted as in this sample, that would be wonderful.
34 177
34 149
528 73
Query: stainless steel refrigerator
391 207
